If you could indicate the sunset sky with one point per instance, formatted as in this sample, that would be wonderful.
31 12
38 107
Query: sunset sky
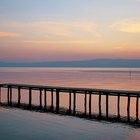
50 30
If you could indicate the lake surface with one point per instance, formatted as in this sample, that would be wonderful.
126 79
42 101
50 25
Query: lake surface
18 124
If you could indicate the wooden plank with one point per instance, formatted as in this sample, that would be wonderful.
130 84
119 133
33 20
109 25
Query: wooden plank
52 99
10 95
8 92
30 97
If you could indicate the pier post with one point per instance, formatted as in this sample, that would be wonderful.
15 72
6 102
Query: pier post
70 102
0 94
30 98
100 99
8 91
19 96
137 108
74 102
40 98
10 95
128 108
85 103
52 99
89 104
57 101
106 105
45 100
118 106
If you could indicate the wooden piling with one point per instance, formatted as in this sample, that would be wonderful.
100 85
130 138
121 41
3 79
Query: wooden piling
19 96
10 95
70 102
85 103
99 104
0 94
118 106
89 104
52 99
137 108
8 92
74 102
106 105
30 98
128 108
45 99
40 98
57 101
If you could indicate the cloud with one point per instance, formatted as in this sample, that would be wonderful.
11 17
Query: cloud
128 25
8 34
56 30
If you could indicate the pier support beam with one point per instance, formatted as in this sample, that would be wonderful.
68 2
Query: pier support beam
106 105
118 106
19 96
30 98
100 99
57 101
52 100
40 98
8 92
89 104
0 94
85 103
10 95
137 108
45 99
74 102
128 108
70 102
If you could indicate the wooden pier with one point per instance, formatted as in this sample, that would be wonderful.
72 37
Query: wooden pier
75 91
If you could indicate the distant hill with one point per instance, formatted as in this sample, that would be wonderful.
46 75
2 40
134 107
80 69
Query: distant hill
83 63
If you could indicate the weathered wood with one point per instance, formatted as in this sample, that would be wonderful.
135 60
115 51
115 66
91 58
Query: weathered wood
107 105
52 99
10 95
40 97
85 103
19 96
57 101
137 108
74 102
100 98
118 105
0 94
30 97
128 108
8 92
70 102
45 99
89 104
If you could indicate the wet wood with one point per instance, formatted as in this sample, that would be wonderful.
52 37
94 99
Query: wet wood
70 102
74 102
57 101
19 96
89 104
45 99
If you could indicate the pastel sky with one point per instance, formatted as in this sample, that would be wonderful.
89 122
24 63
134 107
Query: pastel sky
48 30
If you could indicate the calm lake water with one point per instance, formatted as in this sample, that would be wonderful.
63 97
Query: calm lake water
18 124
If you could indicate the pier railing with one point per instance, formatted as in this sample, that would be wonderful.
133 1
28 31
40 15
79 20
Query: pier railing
72 111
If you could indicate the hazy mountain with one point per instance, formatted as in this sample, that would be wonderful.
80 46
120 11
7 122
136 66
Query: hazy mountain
83 63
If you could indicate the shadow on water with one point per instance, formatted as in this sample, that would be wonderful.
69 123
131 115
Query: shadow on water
63 111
